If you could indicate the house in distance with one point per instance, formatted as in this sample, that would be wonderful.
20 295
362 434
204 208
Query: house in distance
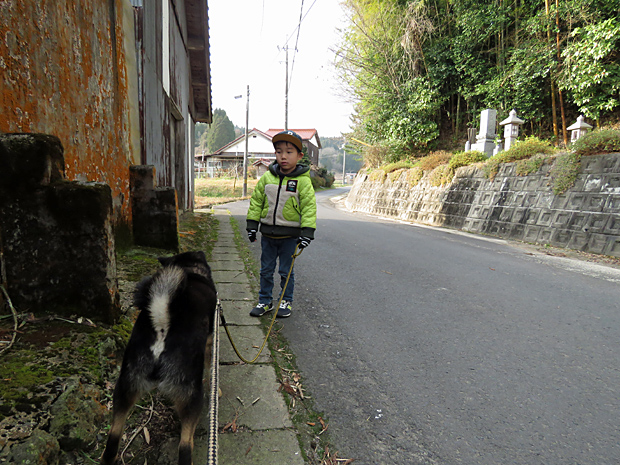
260 152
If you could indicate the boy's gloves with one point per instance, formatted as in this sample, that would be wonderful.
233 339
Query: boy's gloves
303 242
252 235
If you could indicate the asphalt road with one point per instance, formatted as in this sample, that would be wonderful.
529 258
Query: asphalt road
423 345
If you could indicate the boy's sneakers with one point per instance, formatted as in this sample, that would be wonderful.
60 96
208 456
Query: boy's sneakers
285 309
261 309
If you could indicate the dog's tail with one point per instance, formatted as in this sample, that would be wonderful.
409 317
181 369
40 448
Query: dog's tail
163 288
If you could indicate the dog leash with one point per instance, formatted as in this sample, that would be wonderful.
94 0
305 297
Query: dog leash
296 254
212 447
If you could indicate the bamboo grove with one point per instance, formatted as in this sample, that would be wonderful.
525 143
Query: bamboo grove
422 70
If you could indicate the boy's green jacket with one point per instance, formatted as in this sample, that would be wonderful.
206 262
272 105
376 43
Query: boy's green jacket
283 205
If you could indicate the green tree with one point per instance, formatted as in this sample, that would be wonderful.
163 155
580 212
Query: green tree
383 61
198 132
421 71
220 132
592 67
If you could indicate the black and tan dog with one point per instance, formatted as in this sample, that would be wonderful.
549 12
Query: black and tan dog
169 347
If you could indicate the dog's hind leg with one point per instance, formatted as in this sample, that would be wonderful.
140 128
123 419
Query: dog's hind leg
189 411
124 399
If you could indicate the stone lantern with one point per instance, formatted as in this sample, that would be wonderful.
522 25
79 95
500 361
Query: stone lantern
579 129
511 128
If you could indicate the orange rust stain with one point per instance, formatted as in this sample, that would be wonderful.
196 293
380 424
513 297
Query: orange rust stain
59 75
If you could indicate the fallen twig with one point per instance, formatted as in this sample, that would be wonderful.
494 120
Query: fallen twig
233 424
138 431
14 336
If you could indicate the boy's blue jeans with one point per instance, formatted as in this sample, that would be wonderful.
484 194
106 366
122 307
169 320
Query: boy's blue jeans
272 250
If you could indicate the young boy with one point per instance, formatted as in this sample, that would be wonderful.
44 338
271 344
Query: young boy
284 206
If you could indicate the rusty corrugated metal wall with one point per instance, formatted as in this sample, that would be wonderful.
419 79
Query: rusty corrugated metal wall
165 79
67 68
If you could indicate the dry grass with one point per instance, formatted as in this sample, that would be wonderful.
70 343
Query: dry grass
214 191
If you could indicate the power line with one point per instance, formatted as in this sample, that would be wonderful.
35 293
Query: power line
302 16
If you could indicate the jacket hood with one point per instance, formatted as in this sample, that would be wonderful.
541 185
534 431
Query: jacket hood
299 170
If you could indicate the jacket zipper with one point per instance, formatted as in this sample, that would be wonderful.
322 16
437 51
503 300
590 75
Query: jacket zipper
275 210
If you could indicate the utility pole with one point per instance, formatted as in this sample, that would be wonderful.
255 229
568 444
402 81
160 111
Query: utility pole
344 158
286 94
245 155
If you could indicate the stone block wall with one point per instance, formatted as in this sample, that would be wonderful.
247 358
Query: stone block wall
57 249
586 217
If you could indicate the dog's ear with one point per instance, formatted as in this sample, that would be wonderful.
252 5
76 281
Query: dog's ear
200 257
185 259
165 261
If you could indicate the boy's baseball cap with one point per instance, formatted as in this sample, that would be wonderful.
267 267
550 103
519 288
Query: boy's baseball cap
288 136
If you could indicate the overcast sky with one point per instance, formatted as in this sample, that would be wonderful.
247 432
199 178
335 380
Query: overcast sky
247 40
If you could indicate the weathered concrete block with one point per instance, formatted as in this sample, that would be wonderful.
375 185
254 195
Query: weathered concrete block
545 236
57 236
154 210
610 183
506 214
579 221
531 234
532 183
561 237
595 202
560 202
530 199
598 243
28 161
613 247
591 165
613 224
545 199
597 222
516 232
613 204
578 240
545 218
592 183
560 218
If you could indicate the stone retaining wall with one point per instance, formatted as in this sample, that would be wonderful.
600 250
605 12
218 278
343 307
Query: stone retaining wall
586 217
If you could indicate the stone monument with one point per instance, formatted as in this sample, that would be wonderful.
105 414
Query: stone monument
485 140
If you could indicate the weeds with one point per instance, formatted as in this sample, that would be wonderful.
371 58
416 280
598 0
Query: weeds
399 165
466 158
531 165
564 172
441 175
433 160
377 176
596 142
394 176
521 150
414 176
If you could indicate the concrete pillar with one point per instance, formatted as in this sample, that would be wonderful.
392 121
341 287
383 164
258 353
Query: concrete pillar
155 210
